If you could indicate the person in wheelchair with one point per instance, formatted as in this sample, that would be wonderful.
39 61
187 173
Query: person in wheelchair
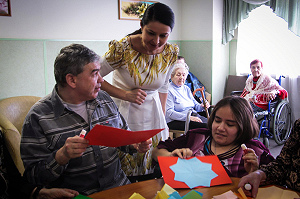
230 125
260 88
180 100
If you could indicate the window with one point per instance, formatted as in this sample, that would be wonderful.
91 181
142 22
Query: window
265 36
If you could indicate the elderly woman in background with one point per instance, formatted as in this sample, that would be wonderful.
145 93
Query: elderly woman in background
261 88
180 100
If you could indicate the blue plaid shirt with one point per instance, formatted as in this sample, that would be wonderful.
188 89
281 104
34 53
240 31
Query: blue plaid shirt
47 126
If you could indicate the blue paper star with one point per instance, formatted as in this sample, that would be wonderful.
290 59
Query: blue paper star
193 172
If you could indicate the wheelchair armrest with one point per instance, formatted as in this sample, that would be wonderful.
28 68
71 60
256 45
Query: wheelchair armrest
236 93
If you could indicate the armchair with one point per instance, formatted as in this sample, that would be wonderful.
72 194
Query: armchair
13 111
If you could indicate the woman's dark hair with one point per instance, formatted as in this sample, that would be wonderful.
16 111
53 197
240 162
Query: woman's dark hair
71 60
243 113
157 12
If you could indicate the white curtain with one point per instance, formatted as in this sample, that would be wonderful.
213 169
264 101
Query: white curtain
292 85
255 2
265 36
234 11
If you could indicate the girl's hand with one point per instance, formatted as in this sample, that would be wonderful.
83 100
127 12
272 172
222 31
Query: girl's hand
251 162
182 153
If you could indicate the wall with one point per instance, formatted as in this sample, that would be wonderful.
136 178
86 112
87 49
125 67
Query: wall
201 44
72 20
220 68
37 30
196 39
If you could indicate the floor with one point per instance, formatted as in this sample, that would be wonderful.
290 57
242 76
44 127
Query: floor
274 147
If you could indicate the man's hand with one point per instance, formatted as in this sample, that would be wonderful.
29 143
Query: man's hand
136 96
73 148
182 153
56 193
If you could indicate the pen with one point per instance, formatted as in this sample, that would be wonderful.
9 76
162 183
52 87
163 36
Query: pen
244 148
82 133
247 186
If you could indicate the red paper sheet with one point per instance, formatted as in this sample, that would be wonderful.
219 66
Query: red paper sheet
114 137
168 174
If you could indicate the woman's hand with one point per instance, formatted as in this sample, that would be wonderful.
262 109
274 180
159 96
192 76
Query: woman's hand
195 119
136 96
182 153
143 147
250 160
270 96
254 179
207 105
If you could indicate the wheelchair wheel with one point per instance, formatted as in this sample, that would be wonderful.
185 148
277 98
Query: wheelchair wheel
282 122
266 142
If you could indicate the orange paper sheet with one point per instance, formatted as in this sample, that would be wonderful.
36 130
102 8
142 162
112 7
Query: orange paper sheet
114 137
168 174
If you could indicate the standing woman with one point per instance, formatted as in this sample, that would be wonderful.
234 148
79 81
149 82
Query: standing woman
142 63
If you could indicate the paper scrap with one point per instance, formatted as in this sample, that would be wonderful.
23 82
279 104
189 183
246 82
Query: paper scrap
240 190
193 172
175 195
227 195
136 196
165 164
115 137
165 192
193 195
274 192
81 197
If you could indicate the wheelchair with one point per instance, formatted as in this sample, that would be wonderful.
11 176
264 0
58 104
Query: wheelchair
276 121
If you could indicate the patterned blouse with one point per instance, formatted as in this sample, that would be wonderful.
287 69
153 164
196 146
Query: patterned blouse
285 170
151 73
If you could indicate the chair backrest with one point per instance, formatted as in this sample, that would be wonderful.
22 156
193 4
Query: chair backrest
13 111
235 83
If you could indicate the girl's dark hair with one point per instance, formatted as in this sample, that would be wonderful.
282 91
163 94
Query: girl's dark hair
243 113
157 12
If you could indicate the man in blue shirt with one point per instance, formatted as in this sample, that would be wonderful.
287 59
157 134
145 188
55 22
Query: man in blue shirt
53 153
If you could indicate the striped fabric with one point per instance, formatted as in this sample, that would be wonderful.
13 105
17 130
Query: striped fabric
47 126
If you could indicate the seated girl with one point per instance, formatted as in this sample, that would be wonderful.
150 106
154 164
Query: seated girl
180 100
230 125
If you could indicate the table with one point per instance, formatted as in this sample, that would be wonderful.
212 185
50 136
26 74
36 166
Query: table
149 188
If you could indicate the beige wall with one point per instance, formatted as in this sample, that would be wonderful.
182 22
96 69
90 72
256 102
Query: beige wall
33 36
